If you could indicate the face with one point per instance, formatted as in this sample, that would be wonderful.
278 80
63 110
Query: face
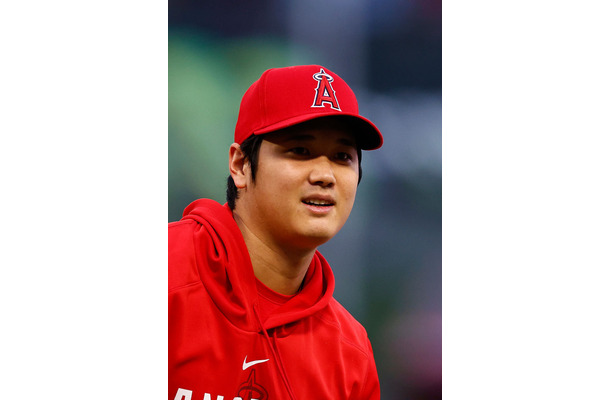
305 185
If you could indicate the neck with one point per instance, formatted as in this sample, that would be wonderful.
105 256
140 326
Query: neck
278 268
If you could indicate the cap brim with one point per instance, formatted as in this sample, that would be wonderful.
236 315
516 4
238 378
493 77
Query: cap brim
367 134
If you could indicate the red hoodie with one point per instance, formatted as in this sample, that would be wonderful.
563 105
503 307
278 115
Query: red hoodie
220 349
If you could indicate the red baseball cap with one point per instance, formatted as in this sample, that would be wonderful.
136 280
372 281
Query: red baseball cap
284 97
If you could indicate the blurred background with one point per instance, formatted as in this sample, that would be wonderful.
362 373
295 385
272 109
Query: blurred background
387 259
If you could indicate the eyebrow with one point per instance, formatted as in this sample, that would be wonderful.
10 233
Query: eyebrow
308 138
298 137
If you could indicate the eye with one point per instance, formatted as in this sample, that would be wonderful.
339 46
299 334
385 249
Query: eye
343 156
300 151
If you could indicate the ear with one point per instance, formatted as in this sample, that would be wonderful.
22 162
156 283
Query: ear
238 166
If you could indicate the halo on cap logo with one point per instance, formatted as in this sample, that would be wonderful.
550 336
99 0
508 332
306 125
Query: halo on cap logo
325 94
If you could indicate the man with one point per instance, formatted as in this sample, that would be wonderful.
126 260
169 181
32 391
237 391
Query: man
251 312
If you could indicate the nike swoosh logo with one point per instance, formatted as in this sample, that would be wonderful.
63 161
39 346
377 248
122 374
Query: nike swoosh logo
247 364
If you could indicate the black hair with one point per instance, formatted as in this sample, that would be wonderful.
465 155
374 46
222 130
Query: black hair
251 147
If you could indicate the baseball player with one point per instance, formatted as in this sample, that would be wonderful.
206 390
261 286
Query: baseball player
251 307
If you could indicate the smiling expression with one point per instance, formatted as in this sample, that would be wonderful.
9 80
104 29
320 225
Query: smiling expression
305 185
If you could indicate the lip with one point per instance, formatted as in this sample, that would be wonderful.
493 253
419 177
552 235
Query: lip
329 203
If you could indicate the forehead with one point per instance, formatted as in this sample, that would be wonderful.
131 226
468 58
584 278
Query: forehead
332 129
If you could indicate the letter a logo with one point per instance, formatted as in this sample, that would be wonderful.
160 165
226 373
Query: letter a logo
325 92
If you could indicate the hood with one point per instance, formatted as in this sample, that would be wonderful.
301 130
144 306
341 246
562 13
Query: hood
226 271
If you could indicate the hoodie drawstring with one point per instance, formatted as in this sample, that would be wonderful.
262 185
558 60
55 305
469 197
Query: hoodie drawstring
276 355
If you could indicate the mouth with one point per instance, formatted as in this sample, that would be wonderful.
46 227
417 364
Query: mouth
319 203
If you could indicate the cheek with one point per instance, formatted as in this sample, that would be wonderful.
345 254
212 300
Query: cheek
351 186
276 181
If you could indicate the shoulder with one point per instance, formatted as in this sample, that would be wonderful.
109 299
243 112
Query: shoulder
181 227
182 263
186 241
347 340
351 332
202 212
204 236
180 238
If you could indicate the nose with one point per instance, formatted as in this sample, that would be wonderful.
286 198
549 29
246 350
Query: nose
321 172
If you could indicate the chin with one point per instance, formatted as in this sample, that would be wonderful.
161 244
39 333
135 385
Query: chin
317 237
310 235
